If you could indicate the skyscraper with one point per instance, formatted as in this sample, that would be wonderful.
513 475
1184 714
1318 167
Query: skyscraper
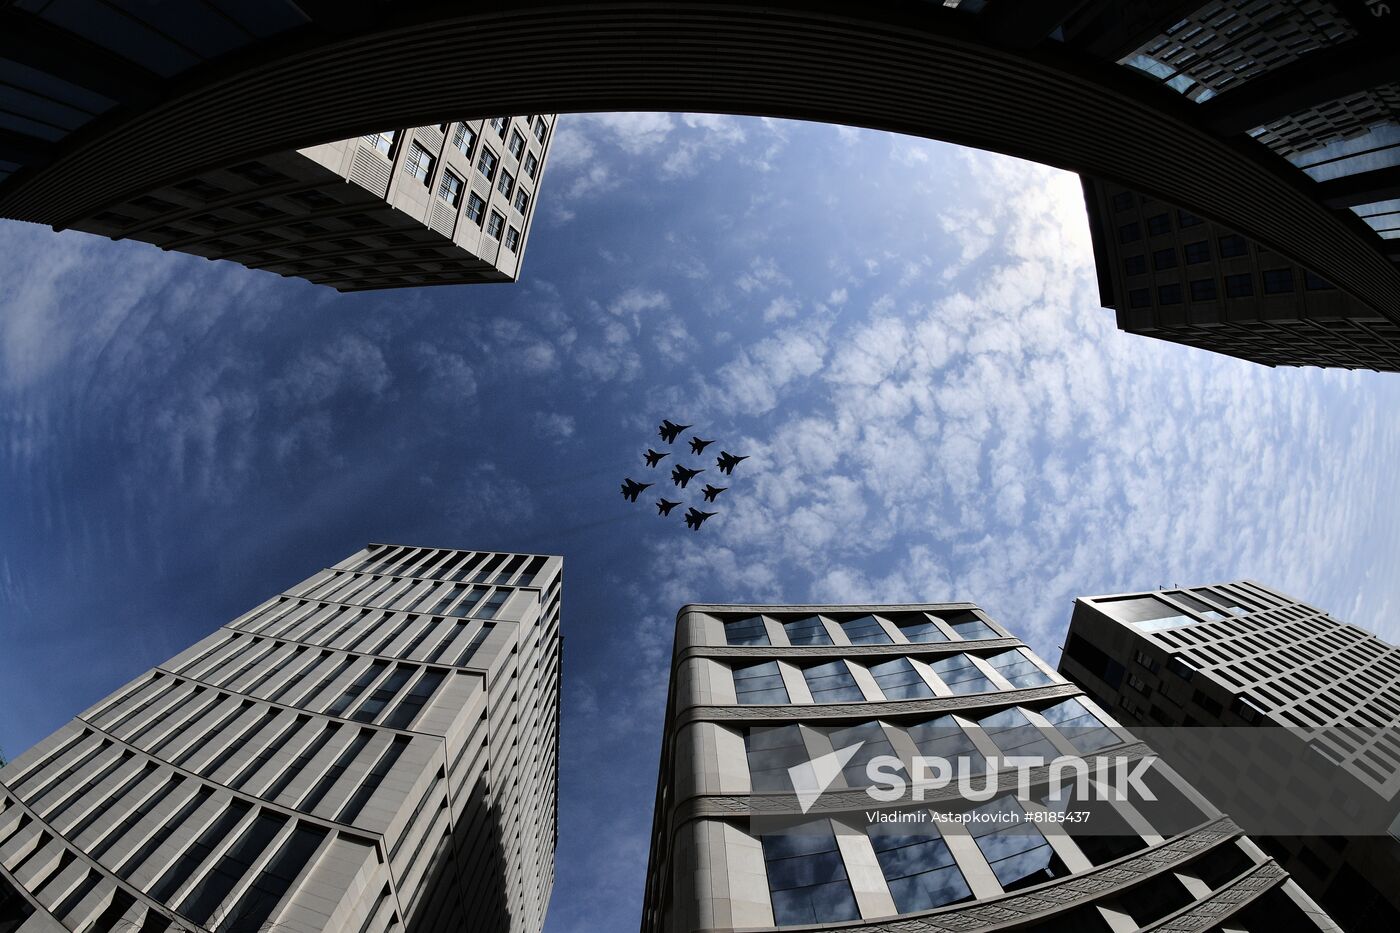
374 749
765 817
1242 654
432 205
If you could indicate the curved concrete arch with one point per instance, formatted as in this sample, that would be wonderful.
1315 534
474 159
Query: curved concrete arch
898 65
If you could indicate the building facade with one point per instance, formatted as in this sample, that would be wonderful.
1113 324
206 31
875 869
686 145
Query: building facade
1172 275
448 204
1244 655
763 698
374 749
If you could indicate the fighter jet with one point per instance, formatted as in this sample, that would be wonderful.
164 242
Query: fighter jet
697 446
669 432
695 518
680 475
630 489
712 491
727 462
653 458
664 506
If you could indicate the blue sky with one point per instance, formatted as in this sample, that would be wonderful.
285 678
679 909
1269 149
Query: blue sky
902 334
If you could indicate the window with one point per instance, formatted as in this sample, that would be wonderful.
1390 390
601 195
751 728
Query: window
759 683
1076 722
476 208
450 190
499 124
274 881
1122 200
385 142
522 200
807 631
806 877
1016 666
512 239
873 742
413 702
1187 219
1240 285
771 752
1207 703
1135 265
494 225
920 871
470 651
1014 848
832 683
1169 294
944 738
541 128
1145 660
1233 245
1197 252
517 144
1315 283
920 630
970 628
1164 259
215 833
486 163
358 686
506 184
1012 732
1278 281
866 630
464 139
1203 290
419 163
341 764
532 164
749 631
1139 298
961 674
371 783
231 867
1128 233
380 696
1159 224
899 680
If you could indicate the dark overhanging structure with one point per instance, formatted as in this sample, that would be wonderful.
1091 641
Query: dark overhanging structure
106 101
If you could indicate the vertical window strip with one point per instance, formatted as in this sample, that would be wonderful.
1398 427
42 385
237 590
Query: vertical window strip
208 736
62 804
299 763
324 682
176 703
230 868
256 657
246 736
196 852
457 628
357 686
267 753
371 783
383 694
510 570
474 644
136 817
188 720
78 763
493 605
163 831
393 635
488 568
342 762
347 618
167 684
289 660
415 699
464 608
106 803
274 880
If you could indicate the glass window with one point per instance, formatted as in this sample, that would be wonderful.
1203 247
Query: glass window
231 867
942 737
1187 219
1129 233
517 144
541 128
1122 200
1169 294
1159 224
832 683
385 142
759 683
337 768
183 867
495 225
873 744
381 695
1016 666
486 163
522 200
358 686
1139 298
807 631
1135 265
413 702
1012 732
532 164
274 881
476 208
506 183
1203 290
920 629
1278 281
749 631
806 877
1233 245
1077 723
968 627
771 753
419 163
470 651
866 630
1164 259
920 871
1315 283
464 139
499 124
1197 252
1240 285
372 780
512 239
450 190
899 680
1015 849
961 675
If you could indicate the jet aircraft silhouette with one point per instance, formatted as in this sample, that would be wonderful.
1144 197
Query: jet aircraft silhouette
712 491
669 432
630 489
680 475
697 446
664 506
727 462
695 518
653 458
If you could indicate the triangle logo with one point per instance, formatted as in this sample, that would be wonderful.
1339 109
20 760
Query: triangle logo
810 779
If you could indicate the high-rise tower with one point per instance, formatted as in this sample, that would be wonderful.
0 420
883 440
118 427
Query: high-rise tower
374 749
765 817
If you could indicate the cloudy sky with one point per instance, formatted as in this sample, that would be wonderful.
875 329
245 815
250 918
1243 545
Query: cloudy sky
904 336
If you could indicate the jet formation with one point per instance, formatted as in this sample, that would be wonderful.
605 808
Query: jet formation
681 475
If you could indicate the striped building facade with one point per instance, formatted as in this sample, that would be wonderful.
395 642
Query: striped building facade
375 749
